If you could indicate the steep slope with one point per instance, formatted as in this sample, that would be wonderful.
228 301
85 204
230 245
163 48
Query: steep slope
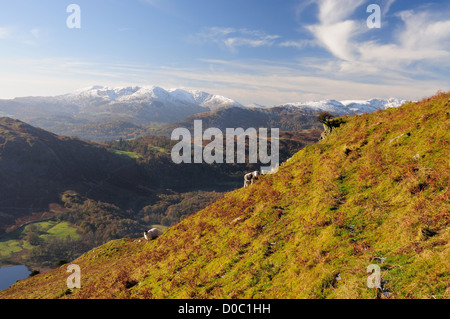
376 191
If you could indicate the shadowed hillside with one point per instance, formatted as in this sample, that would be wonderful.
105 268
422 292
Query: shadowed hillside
37 166
284 118
376 191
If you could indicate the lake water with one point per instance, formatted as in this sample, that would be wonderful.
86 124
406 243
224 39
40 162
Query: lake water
9 275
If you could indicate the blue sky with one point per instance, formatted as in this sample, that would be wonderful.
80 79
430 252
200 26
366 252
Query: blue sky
254 51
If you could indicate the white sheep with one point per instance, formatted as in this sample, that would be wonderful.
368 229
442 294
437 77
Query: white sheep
250 178
152 234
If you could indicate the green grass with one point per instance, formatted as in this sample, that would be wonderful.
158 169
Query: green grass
159 149
132 155
60 230
47 230
8 247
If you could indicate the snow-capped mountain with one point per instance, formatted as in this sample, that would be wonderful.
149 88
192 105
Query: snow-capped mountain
148 94
139 105
349 107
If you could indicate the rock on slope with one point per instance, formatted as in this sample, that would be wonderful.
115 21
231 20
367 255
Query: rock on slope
376 191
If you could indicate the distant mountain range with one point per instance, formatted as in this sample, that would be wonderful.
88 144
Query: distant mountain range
102 113
349 107
138 105
282 117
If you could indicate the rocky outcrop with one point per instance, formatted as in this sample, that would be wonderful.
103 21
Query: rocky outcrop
329 125
327 131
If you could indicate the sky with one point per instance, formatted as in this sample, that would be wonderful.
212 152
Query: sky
266 52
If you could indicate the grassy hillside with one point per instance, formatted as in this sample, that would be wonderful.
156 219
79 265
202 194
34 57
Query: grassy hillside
376 191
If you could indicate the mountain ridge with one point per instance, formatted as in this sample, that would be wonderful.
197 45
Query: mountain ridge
144 104
138 105
152 93
349 107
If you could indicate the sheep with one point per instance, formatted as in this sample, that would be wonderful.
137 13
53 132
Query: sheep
250 178
152 234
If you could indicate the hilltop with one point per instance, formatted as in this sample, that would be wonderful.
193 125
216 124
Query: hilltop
376 191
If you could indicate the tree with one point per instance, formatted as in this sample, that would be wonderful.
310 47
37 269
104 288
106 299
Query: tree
325 117
329 121
33 239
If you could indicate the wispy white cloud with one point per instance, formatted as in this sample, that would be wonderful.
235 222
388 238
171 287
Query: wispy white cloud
357 67
24 36
299 44
4 32
233 38
333 12
422 38
36 33
386 5
423 31
247 81
334 31
269 83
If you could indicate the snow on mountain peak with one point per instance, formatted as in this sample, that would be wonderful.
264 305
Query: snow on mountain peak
348 106
151 94
102 93
181 96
